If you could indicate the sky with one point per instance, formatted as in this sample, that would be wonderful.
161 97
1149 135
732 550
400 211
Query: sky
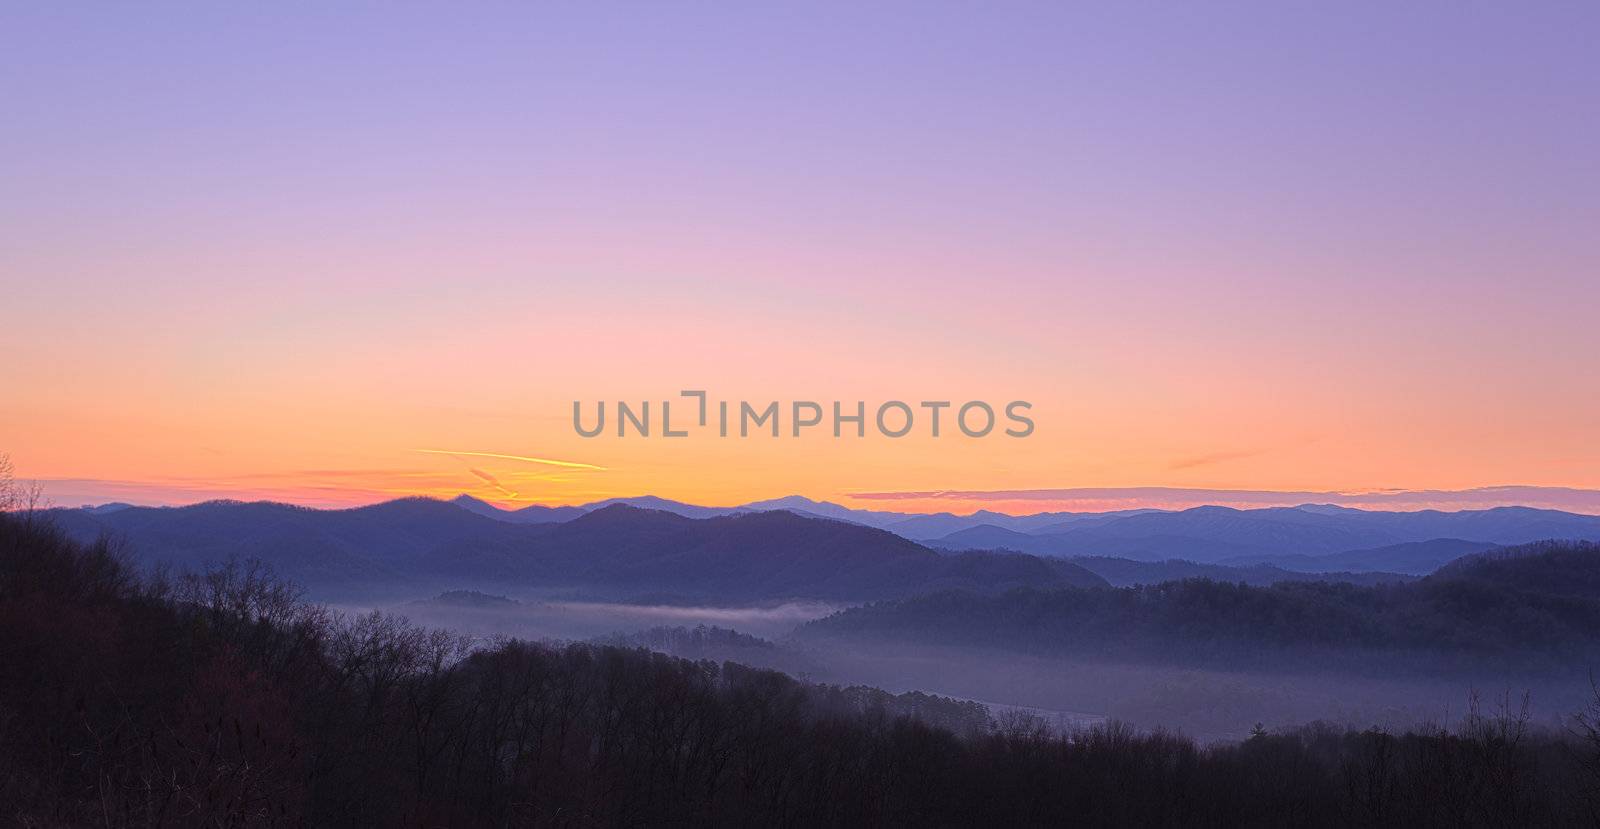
275 251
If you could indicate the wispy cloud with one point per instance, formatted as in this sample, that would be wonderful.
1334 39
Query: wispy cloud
1215 458
493 481
524 458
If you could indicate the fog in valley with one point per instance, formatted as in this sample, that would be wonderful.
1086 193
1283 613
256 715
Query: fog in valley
530 617
1064 693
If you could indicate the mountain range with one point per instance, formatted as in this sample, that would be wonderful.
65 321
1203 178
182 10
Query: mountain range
915 526
795 547
1289 536
1305 538
614 551
1533 608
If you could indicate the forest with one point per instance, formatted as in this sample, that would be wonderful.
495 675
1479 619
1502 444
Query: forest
1533 608
221 699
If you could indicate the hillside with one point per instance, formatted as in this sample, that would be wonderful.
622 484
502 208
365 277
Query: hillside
1536 607
1556 568
1122 572
1417 558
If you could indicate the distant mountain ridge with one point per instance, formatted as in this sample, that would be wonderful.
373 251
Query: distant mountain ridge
915 526
535 514
1417 558
617 551
1123 572
1283 536
1311 538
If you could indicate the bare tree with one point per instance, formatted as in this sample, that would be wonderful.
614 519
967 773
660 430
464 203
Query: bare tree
15 495
1586 727
8 484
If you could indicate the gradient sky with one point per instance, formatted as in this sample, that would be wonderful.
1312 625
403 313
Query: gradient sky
270 251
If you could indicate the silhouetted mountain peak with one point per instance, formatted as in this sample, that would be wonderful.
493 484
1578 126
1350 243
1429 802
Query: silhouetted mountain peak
789 502
621 514
105 509
414 506
784 518
1326 509
478 506
1211 509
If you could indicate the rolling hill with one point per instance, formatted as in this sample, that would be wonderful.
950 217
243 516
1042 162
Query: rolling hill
1288 536
616 551
1534 607
1412 557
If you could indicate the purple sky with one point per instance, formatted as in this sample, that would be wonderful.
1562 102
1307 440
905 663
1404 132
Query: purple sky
1285 246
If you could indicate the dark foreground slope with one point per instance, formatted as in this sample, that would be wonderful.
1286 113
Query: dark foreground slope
1534 608
223 702
617 551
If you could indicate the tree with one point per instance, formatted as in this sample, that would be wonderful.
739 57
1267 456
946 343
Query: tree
15 495
8 484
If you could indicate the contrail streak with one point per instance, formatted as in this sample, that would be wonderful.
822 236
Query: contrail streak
546 461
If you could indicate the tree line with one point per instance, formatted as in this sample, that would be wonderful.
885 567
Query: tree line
1535 609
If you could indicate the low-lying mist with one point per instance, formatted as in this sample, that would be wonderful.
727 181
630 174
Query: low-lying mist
1064 692
539 618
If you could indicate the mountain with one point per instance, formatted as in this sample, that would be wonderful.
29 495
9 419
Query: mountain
1535 608
1214 534
801 505
1209 530
759 551
480 507
1557 568
320 549
1417 558
1500 525
991 537
102 509
616 551
766 554
928 526
915 526
1076 521
1305 538
1122 572
534 514
541 514
651 502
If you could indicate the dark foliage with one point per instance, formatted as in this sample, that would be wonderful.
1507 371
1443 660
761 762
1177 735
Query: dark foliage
1554 568
1123 572
1535 607
221 700
723 645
